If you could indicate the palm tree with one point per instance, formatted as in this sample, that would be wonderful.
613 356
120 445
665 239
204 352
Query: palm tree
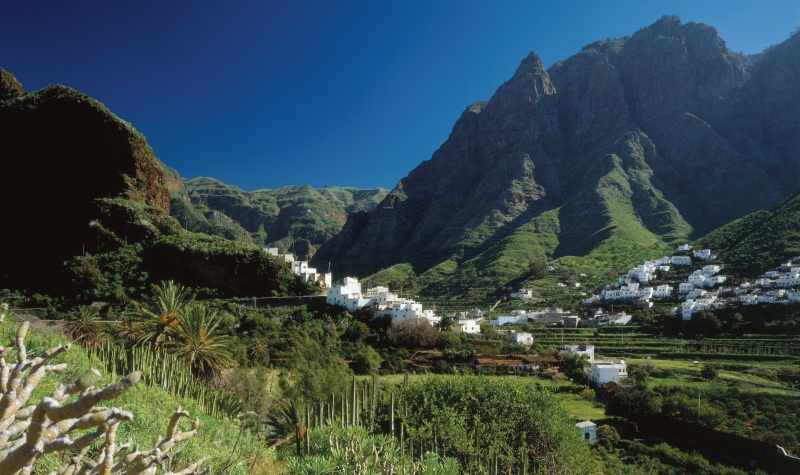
128 329
160 316
258 353
84 325
286 424
199 342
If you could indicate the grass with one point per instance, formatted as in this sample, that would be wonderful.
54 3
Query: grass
760 240
687 374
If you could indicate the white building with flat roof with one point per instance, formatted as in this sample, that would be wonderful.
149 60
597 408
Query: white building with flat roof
681 260
380 300
588 430
602 372
300 268
522 338
347 295
467 326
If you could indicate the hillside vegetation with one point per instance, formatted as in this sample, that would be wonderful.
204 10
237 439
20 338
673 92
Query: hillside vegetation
759 241
296 219
152 408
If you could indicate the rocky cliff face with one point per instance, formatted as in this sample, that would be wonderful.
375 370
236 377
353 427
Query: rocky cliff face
635 143
60 151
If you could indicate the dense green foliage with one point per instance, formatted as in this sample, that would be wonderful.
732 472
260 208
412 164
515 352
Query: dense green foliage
767 417
315 369
170 319
479 419
634 458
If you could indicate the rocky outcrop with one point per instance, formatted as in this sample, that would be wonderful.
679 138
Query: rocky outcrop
60 151
656 137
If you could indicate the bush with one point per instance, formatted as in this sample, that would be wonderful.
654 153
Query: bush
366 360
709 372
413 334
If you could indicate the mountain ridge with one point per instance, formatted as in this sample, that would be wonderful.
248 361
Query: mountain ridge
294 218
669 108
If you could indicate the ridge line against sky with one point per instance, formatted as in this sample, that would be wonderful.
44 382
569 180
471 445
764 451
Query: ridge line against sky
263 94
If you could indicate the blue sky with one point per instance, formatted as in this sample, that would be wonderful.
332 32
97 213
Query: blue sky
263 94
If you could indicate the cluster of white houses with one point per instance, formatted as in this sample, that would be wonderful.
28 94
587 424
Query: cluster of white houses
380 300
779 286
631 285
550 316
308 274
702 290
385 303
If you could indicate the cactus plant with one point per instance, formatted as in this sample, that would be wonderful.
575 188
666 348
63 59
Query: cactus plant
28 431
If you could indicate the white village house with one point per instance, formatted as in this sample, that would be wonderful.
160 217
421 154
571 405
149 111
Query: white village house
550 316
522 294
380 300
308 274
578 349
602 372
522 338
468 326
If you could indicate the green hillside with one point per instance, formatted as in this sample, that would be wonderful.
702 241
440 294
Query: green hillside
293 218
615 220
759 241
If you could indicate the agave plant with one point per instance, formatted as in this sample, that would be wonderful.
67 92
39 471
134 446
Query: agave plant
159 317
84 326
198 341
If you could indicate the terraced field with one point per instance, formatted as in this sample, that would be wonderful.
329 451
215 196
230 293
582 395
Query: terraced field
630 343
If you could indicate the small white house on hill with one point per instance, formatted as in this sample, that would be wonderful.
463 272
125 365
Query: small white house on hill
588 430
522 338
466 326
602 372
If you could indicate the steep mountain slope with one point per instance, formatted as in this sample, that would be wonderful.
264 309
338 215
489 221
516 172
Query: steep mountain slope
293 218
85 208
626 148
60 151
758 241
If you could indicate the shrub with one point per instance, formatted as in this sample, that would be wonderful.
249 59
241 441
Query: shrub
413 334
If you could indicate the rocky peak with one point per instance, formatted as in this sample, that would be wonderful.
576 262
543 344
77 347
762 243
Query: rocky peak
670 66
671 102
9 86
